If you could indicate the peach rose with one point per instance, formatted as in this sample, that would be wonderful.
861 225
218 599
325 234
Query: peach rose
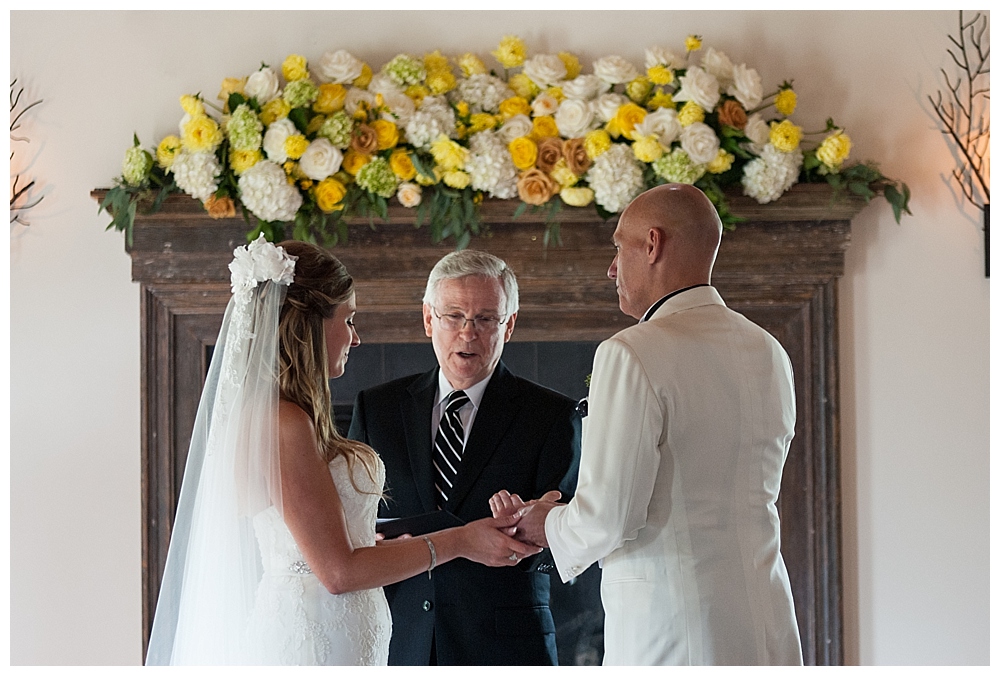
577 159
221 207
732 113
549 152
365 140
536 187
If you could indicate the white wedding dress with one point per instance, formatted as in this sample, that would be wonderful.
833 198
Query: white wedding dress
295 620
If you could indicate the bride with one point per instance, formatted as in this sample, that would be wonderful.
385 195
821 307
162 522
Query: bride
273 557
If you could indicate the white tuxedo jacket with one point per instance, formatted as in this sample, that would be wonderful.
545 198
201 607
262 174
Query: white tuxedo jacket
690 418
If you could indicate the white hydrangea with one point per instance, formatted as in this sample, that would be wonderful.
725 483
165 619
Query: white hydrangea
484 93
606 105
658 56
616 178
517 125
747 86
699 141
265 191
699 86
338 67
661 123
435 117
545 70
262 85
197 174
574 118
274 139
767 177
490 166
615 70
585 87
719 65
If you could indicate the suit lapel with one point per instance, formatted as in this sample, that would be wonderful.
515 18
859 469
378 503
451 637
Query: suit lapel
496 413
416 413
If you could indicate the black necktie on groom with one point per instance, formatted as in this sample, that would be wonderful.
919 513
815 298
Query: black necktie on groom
449 445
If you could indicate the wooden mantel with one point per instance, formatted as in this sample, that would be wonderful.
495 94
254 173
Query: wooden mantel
779 268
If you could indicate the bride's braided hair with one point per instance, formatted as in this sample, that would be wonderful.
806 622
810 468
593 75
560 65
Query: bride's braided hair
321 284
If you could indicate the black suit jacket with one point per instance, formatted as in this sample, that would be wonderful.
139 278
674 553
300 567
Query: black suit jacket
525 439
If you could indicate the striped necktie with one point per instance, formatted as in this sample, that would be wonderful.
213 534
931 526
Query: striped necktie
448 446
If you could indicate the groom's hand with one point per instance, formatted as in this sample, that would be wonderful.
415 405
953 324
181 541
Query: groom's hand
531 527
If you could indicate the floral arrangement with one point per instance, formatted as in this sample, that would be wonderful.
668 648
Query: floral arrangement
313 144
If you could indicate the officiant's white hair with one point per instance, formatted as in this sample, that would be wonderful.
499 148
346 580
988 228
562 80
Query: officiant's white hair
471 262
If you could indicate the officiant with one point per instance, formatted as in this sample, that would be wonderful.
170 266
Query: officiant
451 438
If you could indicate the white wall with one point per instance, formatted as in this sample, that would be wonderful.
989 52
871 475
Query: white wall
914 303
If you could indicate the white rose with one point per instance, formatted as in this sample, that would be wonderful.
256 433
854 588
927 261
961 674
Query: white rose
381 83
607 105
700 87
354 98
274 139
658 56
615 70
338 67
585 87
700 143
574 118
747 86
409 195
545 70
401 108
758 131
663 124
321 159
719 65
262 85
519 125
544 104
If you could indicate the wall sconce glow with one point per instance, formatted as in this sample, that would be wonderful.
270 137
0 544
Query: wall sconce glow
20 198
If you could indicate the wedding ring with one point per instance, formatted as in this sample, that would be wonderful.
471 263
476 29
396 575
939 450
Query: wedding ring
513 556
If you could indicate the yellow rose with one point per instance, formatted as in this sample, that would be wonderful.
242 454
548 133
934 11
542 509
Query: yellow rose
362 80
647 148
722 163
511 51
627 117
295 145
692 43
785 102
459 180
436 61
639 88
331 98
417 93
274 110
544 126
563 175
471 65
167 150
524 152
447 154
294 68
201 134
192 106
572 64
481 122
785 136
306 183
690 113
660 75
329 192
577 197
441 81
402 165
832 151
387 134
353 161
523 86
661 99
231 85
430 180
241 160
596 143
515 105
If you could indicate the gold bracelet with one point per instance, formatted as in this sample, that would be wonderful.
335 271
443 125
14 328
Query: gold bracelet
434 556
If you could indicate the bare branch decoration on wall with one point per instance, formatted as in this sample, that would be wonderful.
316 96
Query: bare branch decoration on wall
20 199
964 114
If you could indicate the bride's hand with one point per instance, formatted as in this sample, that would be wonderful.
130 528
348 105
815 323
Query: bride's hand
485 542
505 504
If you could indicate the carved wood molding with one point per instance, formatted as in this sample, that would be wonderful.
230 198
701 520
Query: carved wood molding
779 268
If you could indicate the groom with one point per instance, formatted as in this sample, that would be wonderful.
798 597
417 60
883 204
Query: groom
451 438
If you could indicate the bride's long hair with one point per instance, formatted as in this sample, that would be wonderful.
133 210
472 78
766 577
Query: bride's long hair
321 284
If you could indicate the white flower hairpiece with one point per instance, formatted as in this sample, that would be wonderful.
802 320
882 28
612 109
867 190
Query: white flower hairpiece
261 261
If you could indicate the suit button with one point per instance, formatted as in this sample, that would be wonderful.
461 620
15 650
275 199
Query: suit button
427 605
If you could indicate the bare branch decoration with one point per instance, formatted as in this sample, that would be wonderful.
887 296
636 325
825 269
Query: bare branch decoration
19 201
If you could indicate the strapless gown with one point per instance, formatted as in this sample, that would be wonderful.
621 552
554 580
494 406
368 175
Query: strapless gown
295 620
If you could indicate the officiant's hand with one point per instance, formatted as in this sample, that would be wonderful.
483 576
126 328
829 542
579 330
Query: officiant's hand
485 542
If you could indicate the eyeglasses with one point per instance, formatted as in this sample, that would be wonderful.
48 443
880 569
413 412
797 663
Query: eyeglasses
453 321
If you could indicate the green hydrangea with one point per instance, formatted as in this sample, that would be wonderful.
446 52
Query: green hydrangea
300 93
677 167
405 70
245 129
136 166
377 177
337 129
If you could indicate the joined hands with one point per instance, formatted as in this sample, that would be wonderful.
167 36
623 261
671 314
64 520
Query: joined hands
530 524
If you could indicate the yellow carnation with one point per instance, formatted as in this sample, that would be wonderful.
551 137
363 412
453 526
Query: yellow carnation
331 98
459 180
690 113
387 133
577 197
627 117
362 80
661 99
295 145
524 152
417 93
785 102
441 81
572 64
515 105
722 163
692 43
471 65
544 126
596 143
402 165
832 151
523 86
192 106
660 75
329 192
274 110
201 134
647 148
294 68
293 172
167 150
639 88
353 161
447 154
462 109
436 61
481 122
511 51
563 175
241 160
785 136
231 85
